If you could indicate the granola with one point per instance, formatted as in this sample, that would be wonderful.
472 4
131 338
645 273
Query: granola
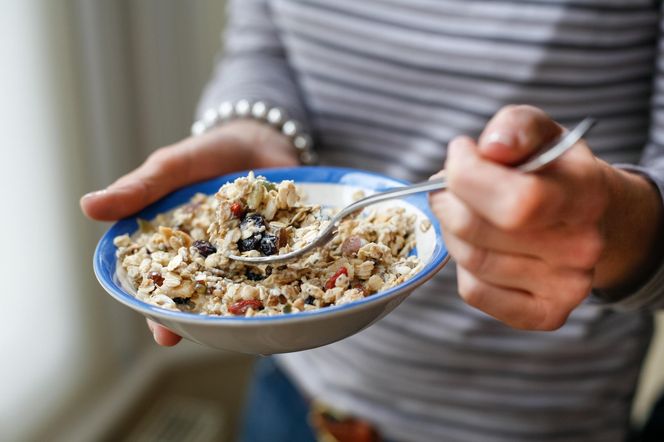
179 260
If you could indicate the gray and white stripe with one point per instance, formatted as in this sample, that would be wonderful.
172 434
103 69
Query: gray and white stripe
384 85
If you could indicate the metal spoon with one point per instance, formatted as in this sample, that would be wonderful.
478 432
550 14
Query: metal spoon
544 156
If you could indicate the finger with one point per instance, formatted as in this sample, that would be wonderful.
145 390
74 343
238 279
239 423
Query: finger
165 337
515 132
162 335
506 198
165 170
515 308
518 272
560 245
458 219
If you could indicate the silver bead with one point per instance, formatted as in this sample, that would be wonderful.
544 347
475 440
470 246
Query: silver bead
302 142
210 117
308 157
290 128
259 110
276 117
198 128
243 108
226 111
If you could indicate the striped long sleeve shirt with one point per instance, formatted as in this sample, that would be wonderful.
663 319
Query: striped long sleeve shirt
384 85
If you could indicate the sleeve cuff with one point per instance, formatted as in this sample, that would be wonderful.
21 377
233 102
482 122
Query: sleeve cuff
650 294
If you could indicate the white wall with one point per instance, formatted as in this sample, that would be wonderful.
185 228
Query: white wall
43 325
87 89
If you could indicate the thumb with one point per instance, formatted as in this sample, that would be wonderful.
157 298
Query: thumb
515 133
167 169
164 170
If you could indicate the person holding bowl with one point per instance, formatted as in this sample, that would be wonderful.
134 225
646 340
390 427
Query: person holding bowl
539 330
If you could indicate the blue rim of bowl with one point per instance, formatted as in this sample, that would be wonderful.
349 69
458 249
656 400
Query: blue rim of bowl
104 261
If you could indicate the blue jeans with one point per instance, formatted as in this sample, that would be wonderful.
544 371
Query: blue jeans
275 409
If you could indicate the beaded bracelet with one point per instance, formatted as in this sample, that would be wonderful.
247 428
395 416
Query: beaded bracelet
259 111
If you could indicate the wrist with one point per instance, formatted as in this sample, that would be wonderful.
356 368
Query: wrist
258 111
632 227
256 145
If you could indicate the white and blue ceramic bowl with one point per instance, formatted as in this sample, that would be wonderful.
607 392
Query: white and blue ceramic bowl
328 186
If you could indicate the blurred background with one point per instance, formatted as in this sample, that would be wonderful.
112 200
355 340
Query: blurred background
88 89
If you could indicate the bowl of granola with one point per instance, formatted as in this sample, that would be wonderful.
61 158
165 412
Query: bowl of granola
171 261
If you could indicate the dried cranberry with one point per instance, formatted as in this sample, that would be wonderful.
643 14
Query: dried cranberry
268 245
333 279
204 248
252 219
253 276
237 210
156 278
251 243
241 307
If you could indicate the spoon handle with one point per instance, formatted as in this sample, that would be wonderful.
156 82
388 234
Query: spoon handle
397 192
551 151
544 156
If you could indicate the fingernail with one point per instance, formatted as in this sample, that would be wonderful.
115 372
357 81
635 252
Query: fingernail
438 174
501 139
94 194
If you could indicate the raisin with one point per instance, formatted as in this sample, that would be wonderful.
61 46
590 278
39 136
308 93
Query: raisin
330 284
241 307
251 243
268 245
253 276
310 300
181 301
156 278
204 248
252 218
237 209
268 271
283 237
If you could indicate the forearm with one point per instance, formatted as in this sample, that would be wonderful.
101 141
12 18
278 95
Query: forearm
633 232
